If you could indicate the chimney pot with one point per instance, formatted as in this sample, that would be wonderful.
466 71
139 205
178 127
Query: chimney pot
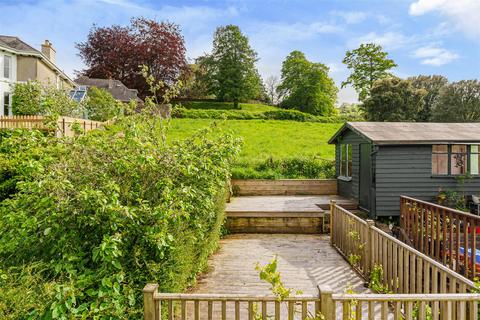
49 51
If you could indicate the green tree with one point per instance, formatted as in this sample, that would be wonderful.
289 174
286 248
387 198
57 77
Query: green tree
306 86
230 72
393 99
27 98
459 101
32 98
368 63
433 85
101 105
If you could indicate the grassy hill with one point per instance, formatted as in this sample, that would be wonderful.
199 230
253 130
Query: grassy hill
273 148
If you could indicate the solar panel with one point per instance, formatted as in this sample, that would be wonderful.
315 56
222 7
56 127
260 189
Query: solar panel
79 93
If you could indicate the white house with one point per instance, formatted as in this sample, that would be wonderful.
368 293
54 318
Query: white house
19 62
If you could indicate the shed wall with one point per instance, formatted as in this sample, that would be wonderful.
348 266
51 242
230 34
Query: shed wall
349 189
407 170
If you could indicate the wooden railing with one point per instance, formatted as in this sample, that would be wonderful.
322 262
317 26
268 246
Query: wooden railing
330 305
404 306
449 236
226 306
405 270
64 125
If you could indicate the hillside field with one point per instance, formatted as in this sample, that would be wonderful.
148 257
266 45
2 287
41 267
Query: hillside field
272 148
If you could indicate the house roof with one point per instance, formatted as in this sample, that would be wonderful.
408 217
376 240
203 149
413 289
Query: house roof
20 47
17 44
118 90
412 132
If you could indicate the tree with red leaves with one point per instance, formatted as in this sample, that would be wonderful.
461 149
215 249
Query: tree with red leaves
117 52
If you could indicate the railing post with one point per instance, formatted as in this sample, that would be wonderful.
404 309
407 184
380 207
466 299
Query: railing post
149 302
369 249
333 203
327 305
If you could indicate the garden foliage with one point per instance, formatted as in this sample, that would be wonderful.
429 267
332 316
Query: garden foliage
85 223
294 115
33 98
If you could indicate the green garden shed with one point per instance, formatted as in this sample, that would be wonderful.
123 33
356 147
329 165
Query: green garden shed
376 162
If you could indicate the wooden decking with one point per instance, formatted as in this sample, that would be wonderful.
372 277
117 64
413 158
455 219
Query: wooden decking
304 262
281 214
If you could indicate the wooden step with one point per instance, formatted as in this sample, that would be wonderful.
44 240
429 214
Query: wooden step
346 204
279 223
262 187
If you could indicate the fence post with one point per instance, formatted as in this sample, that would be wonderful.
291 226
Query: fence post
332 208
149 302
369 247
327 305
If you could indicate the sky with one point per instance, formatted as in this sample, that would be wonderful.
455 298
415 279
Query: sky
421 36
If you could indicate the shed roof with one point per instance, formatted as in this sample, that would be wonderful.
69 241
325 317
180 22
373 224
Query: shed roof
412 132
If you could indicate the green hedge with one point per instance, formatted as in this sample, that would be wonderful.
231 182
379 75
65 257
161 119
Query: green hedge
295 115
101 215
290 168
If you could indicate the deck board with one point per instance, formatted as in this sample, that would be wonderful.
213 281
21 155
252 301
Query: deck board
282 203
304 261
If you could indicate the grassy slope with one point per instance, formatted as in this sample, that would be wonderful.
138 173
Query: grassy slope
268 138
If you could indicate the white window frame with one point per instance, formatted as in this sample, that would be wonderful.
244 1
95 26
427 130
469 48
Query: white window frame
6 58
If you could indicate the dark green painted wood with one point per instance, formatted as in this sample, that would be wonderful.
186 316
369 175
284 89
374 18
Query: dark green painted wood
349 189
365 176
407 170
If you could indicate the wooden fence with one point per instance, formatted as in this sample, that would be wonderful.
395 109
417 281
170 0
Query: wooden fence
403 306
449 236
416 286
64 126
330 305
405 270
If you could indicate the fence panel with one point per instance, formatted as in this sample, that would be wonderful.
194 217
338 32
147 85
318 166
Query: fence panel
405 269
64 126
449 236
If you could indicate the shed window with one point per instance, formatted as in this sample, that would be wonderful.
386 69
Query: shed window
346 160
474 159
457 159
440 159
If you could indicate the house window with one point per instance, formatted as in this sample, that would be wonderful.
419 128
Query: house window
7 66
456 159
7 105
346 160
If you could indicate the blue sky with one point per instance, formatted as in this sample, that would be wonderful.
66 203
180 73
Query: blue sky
422 36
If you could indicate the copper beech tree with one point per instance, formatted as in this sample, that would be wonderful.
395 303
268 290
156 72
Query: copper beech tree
118 52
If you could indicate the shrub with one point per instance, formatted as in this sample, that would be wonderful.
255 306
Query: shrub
32 98
294 115
290 168
27 98
118 209
101 105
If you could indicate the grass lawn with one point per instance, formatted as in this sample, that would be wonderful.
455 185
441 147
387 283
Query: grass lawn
267 140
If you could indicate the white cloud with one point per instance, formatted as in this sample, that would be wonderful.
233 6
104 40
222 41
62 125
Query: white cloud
282 32
351 17
388 40
464 14
435 56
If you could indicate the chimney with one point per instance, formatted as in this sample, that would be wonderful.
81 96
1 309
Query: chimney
48 51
